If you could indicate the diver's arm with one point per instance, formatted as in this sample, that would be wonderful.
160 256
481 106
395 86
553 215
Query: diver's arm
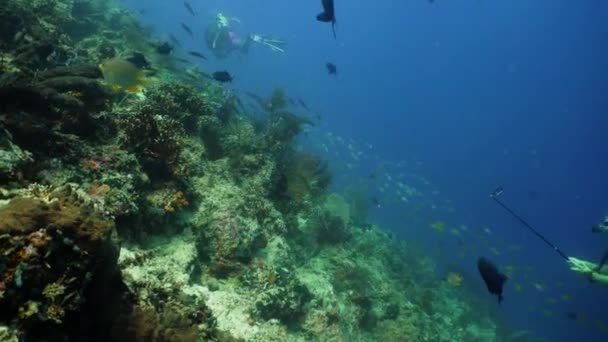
581 266
590 269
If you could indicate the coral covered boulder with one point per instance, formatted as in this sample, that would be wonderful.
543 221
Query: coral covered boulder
56 251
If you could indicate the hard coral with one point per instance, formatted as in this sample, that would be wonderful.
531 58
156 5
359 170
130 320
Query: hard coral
328 228
181 102
302 174
285 299
53 250
156 140
177 202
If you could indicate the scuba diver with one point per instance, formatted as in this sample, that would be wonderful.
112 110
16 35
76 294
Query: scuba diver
596 273
222 39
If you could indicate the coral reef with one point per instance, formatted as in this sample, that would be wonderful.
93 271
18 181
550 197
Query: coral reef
168 308
177 214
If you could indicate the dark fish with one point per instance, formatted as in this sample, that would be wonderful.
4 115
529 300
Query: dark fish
182 60
572 315
174 40
376 202
197 54
303 104
164 48
533 195
189 8
332 69
187 29
222 76
328 15
139 60
291 101
494 280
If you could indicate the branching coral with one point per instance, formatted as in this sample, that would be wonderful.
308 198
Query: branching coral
328 228
282 128
302 174
181 102
156 140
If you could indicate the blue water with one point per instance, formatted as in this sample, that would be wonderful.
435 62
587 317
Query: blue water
473 94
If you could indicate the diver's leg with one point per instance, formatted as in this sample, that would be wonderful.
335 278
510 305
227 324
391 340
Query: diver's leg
603 261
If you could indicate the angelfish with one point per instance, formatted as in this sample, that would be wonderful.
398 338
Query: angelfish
328 15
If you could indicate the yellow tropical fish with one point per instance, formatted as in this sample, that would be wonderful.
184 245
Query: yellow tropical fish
515 248
438 226
122 75
454 279
539 287
518 287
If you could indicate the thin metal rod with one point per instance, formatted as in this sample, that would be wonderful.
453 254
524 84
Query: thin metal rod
505 207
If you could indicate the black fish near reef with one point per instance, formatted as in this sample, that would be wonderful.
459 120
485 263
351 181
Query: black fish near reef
328 15
164 49
332 69
492 277
189 8
376 202
222 76
139 60
187 29
197 54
